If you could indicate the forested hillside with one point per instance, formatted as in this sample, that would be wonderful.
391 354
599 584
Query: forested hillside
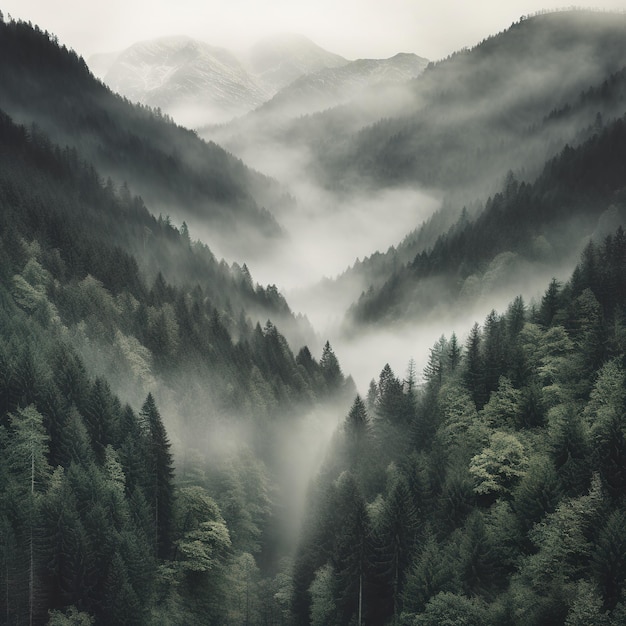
593 109
578 193
175 172
494 492
510 104
92 516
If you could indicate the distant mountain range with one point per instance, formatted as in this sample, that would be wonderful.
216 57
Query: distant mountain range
200 84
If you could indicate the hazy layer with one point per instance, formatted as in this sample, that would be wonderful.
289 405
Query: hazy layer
352 29
364 354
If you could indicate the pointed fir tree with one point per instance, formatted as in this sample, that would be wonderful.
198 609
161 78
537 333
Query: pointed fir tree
454 353
356 429
331 371
473 374
608 561
161 487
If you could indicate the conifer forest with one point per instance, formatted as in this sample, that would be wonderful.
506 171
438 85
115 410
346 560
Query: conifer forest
183 443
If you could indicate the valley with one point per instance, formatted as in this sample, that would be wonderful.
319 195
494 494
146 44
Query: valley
288 338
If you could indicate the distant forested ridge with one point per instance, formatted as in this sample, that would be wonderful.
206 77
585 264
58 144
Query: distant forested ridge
578 191
493 492
479 112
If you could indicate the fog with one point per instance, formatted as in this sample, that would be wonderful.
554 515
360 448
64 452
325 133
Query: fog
352 29
364 352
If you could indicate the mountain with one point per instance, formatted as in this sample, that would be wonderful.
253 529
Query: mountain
472 115
332 86
521 229
199 84
588 114
511 103
161 416
127 351
189 79
173 170
281 59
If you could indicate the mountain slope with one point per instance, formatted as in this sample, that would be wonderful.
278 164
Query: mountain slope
281 59
332 86
542 222
471 113
188 79
495 489
102 305
175 172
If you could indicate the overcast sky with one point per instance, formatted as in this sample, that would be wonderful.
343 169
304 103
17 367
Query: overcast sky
353 28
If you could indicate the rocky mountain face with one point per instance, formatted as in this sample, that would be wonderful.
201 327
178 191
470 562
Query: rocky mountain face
281 59
186 78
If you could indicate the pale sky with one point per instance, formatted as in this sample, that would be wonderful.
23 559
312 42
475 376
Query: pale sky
352 28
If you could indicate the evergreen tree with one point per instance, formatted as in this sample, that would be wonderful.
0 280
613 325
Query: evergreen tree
356 429
352 554
161 488
454 353
396 534
549 303
608 560
329 366
30 474
473 370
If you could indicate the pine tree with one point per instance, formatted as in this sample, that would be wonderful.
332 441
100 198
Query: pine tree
478 565
454 353
30 473
161 487
352 552
473 371
331 371
356 428
396 535
608 561
550 303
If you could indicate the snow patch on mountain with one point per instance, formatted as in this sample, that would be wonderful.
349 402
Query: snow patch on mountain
186 78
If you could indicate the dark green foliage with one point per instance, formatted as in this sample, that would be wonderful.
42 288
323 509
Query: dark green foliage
329 367
478 565
474 371
357 431
570 451
512 513
352 554
549 303
160 477
537 493
608 561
